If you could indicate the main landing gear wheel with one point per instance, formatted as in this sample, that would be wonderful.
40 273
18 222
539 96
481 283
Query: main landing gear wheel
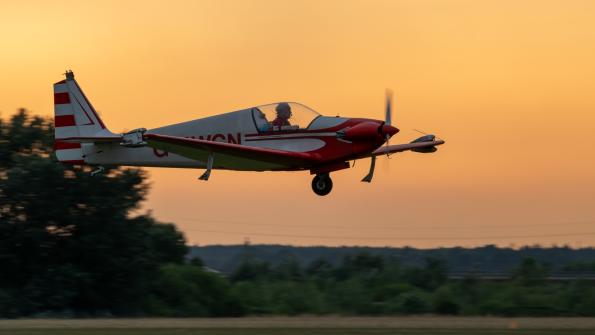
322 184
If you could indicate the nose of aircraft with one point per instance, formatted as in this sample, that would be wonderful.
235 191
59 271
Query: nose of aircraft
367 130
388 130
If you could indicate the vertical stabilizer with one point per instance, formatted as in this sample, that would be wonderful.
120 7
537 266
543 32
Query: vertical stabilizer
74 119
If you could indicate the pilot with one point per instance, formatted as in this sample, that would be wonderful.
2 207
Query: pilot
283 114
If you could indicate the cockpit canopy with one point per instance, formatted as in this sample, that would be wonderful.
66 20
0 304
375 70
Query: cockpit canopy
283 116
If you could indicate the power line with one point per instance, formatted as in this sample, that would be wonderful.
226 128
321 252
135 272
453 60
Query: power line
385 238
417 226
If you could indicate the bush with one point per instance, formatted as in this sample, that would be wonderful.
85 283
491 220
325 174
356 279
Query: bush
444 301
412 302
187 290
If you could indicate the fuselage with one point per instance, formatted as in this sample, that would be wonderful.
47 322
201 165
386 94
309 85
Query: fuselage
241 127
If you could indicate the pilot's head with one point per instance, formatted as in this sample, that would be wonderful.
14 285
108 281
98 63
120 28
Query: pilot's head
283 110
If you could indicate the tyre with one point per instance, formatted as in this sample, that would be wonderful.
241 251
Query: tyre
322 184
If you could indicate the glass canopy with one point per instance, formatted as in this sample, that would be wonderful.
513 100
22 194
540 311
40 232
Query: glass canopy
283 116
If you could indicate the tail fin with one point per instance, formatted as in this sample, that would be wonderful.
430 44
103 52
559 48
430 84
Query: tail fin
75 119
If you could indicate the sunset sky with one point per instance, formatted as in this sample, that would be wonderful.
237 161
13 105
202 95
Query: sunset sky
509 85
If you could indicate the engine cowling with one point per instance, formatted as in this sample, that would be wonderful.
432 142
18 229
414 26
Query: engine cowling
361 131
366 131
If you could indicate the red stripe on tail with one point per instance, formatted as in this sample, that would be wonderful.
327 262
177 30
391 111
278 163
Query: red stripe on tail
61 98
64 121
61 145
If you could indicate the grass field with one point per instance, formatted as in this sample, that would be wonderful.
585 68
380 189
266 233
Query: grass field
302 325
305 331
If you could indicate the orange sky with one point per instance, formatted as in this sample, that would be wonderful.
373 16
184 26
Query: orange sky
510 85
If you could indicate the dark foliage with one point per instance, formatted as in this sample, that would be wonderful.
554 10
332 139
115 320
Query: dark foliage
365 285
67 241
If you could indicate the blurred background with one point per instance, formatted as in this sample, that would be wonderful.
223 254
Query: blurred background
508 85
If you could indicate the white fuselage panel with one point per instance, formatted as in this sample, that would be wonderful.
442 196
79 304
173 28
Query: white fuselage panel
229 128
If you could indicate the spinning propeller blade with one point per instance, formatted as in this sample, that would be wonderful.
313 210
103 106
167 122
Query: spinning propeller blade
388 115
387 132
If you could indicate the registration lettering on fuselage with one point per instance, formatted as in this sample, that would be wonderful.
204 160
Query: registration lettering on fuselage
229 138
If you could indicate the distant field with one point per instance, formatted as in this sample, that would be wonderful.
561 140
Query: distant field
302 325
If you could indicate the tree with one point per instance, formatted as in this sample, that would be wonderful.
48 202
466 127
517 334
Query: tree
251 270
530 272
24 134
363 263
431 276
288 269
67 240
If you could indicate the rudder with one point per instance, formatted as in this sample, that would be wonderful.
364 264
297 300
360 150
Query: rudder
74 118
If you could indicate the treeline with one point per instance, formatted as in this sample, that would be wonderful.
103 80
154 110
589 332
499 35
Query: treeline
489 258
365 284
74 245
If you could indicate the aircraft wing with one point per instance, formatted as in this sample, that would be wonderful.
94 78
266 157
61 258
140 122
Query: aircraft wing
420 146
251 157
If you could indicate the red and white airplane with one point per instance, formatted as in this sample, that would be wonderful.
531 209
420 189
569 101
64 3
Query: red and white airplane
284 136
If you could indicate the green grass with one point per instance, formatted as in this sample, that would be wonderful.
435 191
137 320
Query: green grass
302 325
290 331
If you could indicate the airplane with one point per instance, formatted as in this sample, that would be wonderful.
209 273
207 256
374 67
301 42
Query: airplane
284 136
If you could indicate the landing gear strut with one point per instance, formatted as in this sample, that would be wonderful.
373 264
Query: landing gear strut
322 184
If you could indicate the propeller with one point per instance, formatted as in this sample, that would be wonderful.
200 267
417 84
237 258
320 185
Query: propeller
388 116
389 101
385 129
